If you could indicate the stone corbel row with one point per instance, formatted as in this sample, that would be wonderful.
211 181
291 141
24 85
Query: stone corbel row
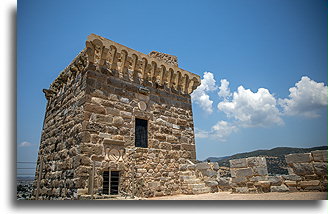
131 65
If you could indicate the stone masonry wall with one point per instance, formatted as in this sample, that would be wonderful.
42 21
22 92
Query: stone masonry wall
61 136
245 172
111 106
90 123
307 171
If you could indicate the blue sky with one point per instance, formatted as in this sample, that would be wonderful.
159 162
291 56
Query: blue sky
254 44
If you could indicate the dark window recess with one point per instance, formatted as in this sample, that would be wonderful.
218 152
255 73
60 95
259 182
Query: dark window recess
114 182
106 182
141 133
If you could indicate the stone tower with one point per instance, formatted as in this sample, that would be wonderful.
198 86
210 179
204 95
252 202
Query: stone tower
117 121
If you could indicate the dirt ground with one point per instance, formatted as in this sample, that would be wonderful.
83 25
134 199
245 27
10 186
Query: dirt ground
264 196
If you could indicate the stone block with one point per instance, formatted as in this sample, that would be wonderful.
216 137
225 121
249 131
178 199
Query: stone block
275 180
258 178
319 155
209 173
303 168
202 166
154 185
290 183
299 158
215 166
282 188
292 177
262 170
309 183
94 108
211 183
320 168
238 163
244 172
256 162
223 182
240 190
263 184
239 180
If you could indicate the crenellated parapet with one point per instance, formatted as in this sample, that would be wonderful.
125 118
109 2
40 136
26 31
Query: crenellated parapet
155 68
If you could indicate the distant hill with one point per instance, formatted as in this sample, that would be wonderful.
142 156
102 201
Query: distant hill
275 157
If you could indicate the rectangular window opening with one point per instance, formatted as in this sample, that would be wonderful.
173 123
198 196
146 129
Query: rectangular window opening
141 133
111 181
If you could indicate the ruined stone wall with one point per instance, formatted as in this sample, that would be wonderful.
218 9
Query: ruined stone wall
61 135
307 171
245 172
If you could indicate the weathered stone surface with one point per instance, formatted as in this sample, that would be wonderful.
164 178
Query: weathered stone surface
292 177
238 163
309 183
244 172
240 190
223 182
299 158
262 171
290 183
275 180
282 188
303 168
211 183
202 166
256 162
239 180
320 168
319 155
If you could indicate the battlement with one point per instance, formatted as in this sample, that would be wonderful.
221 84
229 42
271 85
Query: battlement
156 68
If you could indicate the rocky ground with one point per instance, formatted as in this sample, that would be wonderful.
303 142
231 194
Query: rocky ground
264 196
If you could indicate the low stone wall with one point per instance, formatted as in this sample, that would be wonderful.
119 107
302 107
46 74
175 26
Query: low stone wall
246 173
307 171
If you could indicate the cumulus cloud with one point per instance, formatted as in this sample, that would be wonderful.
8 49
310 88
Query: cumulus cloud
220 131
305 98
252 109
200 96
25 144
224 90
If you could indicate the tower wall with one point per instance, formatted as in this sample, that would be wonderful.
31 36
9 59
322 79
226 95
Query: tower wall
90 123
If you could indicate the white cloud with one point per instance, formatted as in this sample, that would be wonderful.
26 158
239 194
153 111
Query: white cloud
220 131
252 109
305 98
25 144
224 89
200 95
